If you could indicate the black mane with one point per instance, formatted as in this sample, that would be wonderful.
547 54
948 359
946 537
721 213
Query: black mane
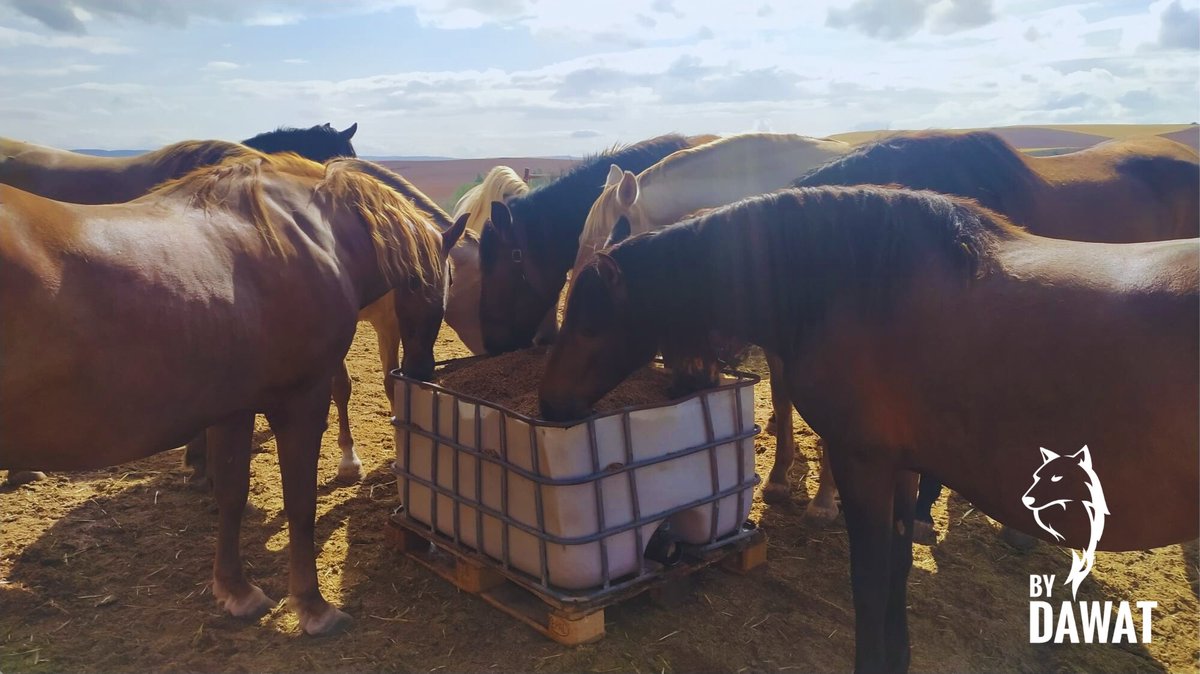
319 143
776 261
555 212
976 164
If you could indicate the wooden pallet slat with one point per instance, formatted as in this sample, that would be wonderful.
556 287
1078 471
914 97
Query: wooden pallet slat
567 623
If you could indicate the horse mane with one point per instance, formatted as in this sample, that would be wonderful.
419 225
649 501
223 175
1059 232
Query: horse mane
400 184
975 164
780 259
561 195
284 138
188 155
500 184
391 218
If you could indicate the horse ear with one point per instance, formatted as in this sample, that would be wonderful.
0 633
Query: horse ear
614 175
627 189
502 221
610 271
620 232
349 132
1047 455
452 235
1084 456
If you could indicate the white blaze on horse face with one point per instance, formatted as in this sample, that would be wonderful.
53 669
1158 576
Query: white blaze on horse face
462 298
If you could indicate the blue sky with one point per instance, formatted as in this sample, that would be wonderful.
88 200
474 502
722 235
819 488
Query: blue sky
527 77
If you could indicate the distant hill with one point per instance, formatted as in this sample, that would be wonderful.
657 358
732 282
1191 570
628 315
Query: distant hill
1046 136
110 153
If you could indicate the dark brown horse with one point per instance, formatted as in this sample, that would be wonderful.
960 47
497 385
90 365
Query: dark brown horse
922 333
530 244
231 291
1121 191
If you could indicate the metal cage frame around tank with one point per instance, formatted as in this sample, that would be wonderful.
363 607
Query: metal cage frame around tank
739 439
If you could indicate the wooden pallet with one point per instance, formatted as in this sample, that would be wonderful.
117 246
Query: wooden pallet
570 623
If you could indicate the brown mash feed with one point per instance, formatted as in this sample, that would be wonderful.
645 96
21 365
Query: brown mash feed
511 381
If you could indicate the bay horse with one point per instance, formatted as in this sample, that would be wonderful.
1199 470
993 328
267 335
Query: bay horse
1120 191
706 176
528 247
78 178
920 332
230 291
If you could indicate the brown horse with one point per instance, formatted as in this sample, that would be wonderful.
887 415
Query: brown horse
530 244
921 332
63 175
1121 191
231 291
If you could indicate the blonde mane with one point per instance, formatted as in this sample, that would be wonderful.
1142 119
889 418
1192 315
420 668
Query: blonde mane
404 245
500 184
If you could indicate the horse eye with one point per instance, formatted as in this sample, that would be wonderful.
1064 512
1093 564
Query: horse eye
1055 478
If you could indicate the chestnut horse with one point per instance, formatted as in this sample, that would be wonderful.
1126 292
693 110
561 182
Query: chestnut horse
231 291
528 247
704 176
921 332
63 175
1120 191
78 178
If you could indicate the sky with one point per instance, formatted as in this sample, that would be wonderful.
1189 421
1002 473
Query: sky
487 78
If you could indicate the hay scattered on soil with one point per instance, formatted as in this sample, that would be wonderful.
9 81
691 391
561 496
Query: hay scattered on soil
511 380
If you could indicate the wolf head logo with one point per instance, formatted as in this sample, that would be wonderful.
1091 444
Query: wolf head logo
1062 481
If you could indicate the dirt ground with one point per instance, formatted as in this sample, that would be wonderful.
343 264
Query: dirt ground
108 571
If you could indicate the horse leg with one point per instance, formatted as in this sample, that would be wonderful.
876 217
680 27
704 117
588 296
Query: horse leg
229 448
387 334
195 456
896 621
927 494
777 489
823 507
350 468
298 429
868 485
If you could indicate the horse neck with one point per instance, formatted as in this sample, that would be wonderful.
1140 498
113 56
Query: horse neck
726 171
694 285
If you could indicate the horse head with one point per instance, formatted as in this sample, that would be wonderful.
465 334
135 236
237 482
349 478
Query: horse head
517 291
421 305
601 342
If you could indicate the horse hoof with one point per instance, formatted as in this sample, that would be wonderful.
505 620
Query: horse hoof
923 533
776 493
1021 541
16 478
324 622
350 471
253 605
820 513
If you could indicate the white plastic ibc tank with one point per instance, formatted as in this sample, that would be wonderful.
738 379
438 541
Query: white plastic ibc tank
570 511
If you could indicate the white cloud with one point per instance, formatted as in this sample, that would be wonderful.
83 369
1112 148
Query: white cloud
220 66
11 38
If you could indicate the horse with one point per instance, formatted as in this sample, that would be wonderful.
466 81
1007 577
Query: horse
705 176
1120 191
530 243
248 278
63 175
318 143
921 332
69 176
